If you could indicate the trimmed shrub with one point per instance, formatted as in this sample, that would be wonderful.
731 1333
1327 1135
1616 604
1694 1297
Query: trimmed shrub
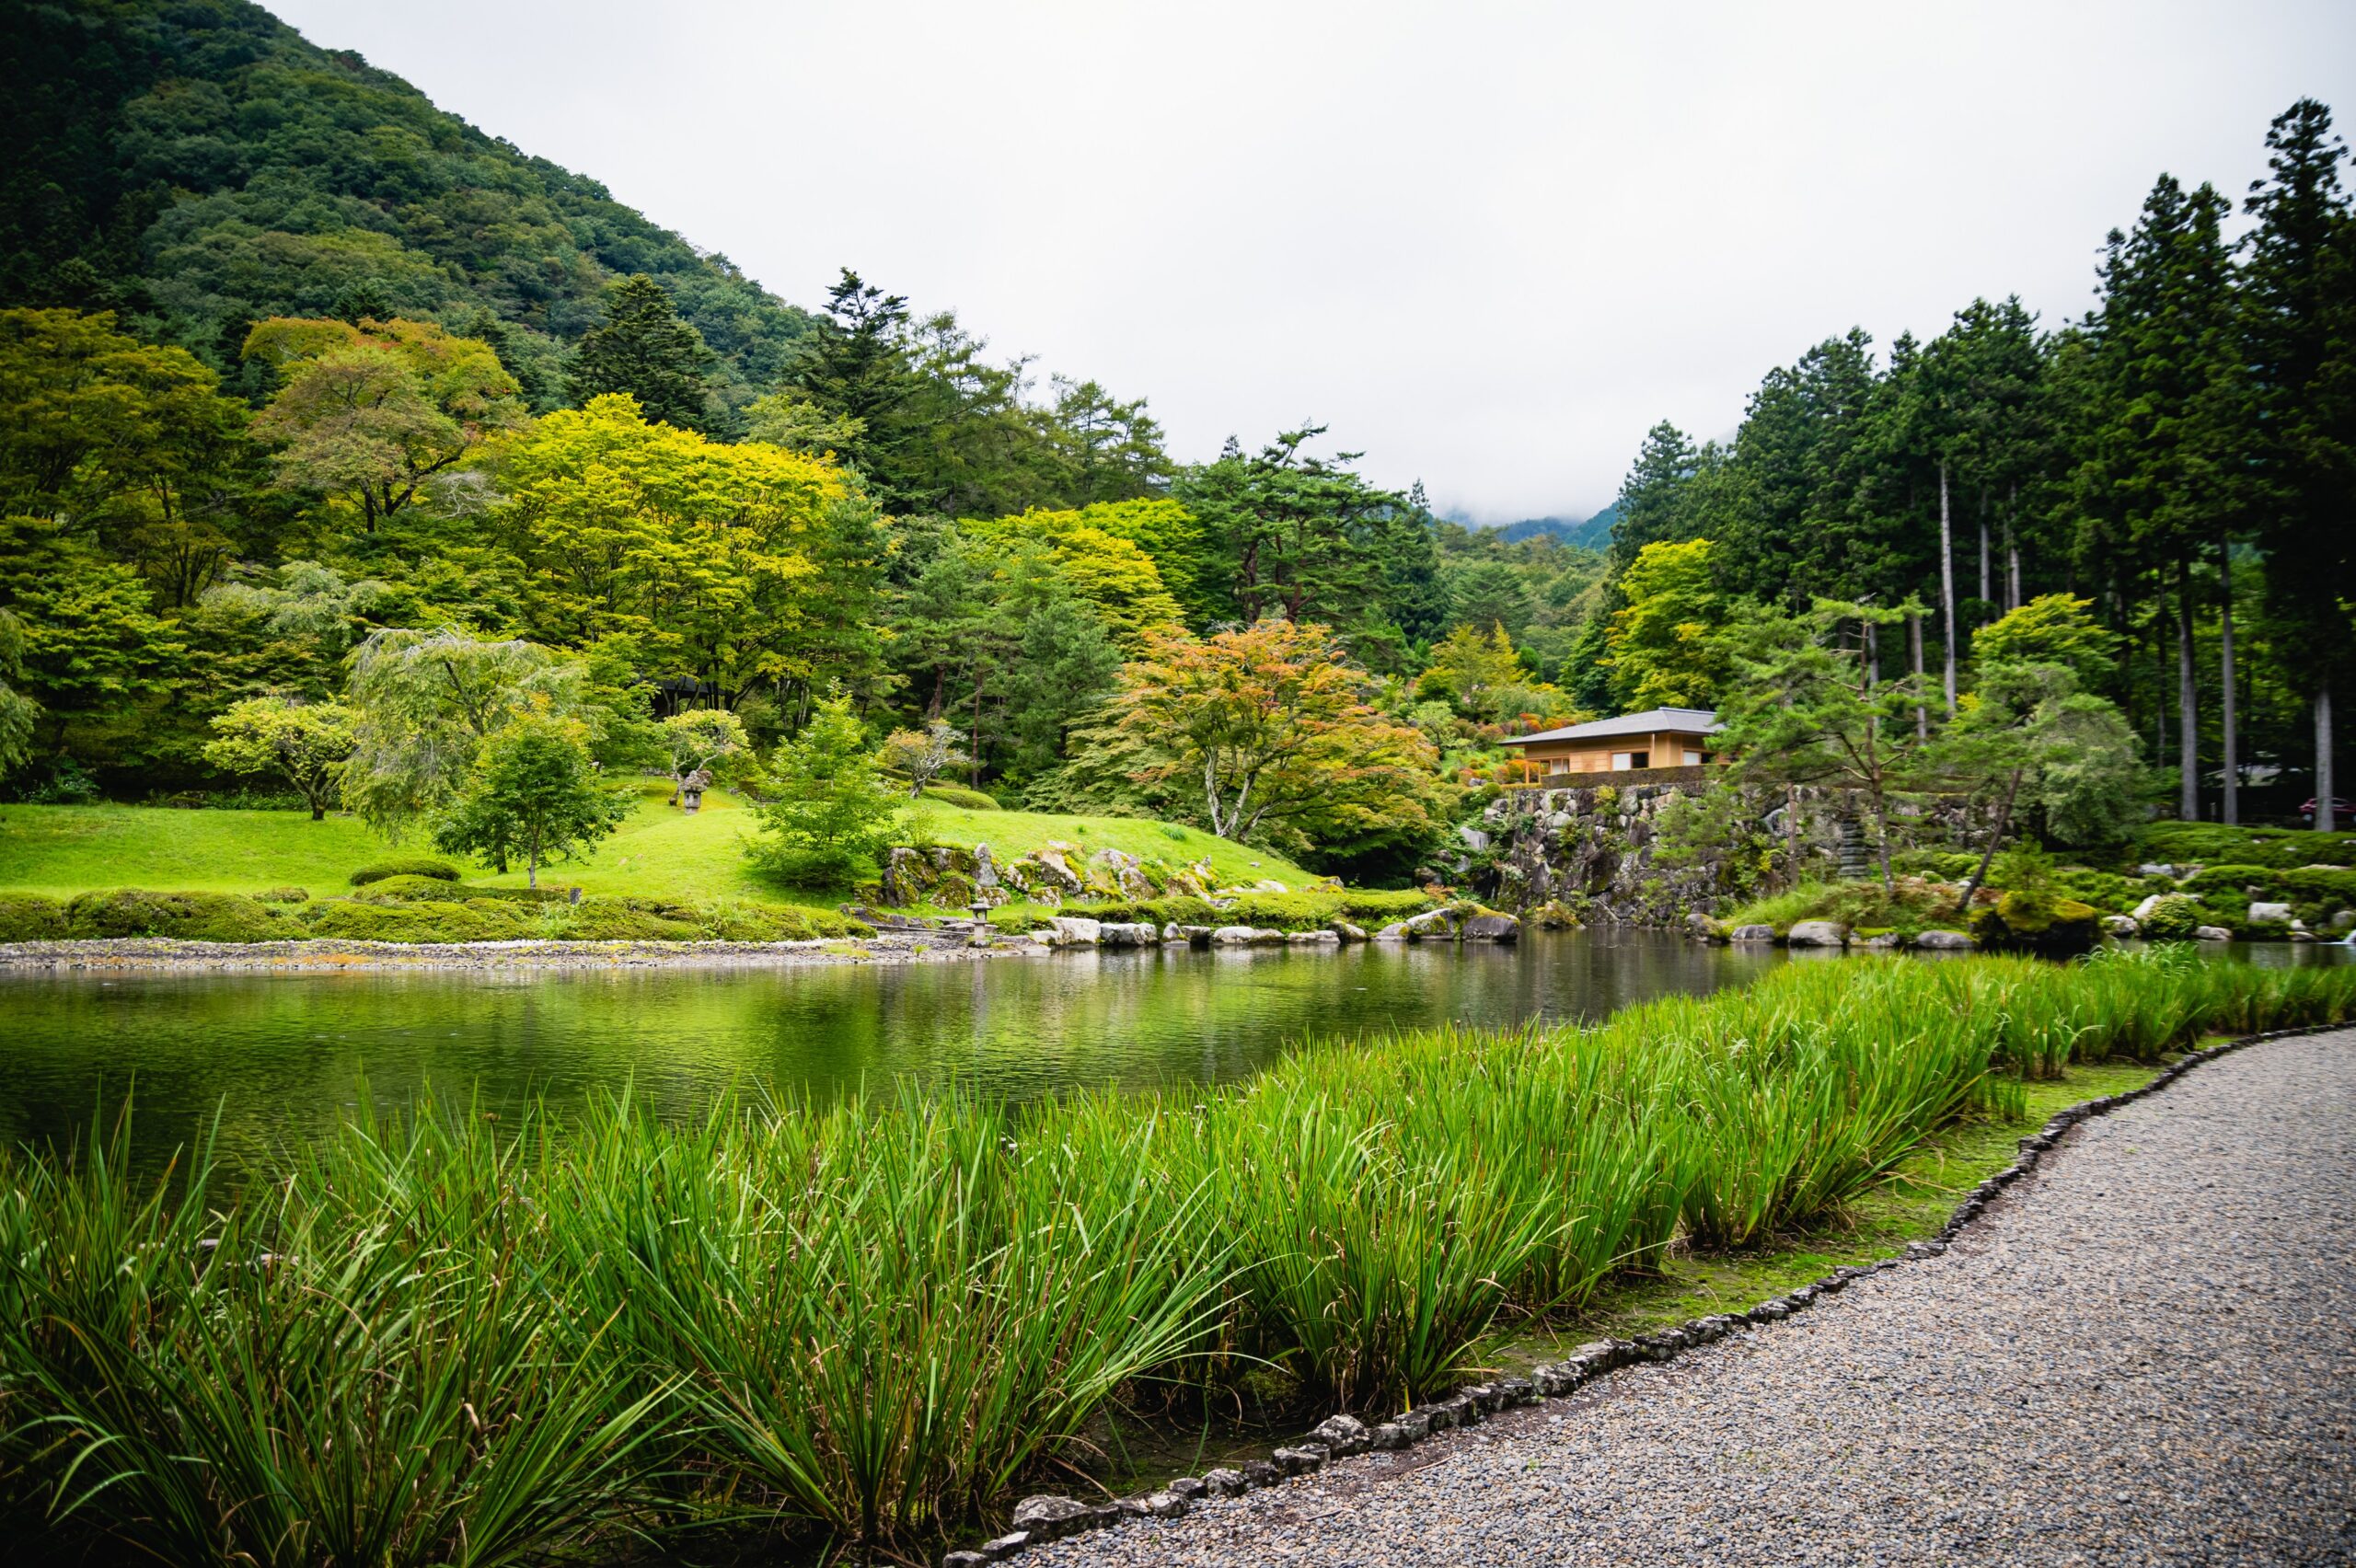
2233 876
409 886
28 917
2172 919
346 919
968 800
406 866
1373 904
184 916
626 920
284 895
515 895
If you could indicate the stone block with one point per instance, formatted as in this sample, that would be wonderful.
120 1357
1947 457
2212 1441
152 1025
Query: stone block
2270 912
1817 933
1049 1516
1952 942
1233 936
1493 928
2211 934
1073 931
1751 934
1225 1483
1342 1434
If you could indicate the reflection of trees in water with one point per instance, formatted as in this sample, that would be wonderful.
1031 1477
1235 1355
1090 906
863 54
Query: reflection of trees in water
278 1055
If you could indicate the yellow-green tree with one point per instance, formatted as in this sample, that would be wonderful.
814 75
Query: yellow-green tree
367 414
695 554
1117 576
1664 651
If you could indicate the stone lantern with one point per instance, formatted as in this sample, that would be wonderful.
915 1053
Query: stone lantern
691 790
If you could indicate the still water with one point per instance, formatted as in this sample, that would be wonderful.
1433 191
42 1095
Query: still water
278 1056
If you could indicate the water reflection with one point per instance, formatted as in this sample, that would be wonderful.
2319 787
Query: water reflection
283 1053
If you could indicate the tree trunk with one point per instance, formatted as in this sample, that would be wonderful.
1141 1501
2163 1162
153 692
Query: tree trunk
976 743
1996 836
318 812
1914 649
2187 702
2012 555
1872 657
1987 589
2326 818
1946 582
2229 806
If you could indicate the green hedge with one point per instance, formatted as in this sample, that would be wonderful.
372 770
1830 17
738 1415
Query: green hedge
2212 844
406 866
183 916
28 917
953 795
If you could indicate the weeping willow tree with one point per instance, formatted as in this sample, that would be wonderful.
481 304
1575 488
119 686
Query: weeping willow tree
428 702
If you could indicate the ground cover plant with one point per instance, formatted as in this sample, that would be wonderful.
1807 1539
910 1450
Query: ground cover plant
870 1323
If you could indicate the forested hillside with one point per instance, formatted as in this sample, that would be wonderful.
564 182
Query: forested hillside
197 167
331 429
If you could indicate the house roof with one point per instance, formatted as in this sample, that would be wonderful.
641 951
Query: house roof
1651 721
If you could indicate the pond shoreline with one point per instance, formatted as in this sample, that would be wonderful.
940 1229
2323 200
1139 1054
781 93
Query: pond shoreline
148 954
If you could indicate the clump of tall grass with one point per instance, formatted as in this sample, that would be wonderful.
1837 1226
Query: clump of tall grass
438 1341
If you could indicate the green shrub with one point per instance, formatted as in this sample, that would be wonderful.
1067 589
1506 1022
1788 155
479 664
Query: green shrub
517 894
1382 906
183 916
2337 888
968 800
284 895
734 922
483 920
409 886
406 866
2233 876
28 917
624 920
2172 919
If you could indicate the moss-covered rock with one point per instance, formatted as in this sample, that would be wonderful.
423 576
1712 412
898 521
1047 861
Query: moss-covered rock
183 916
2036 921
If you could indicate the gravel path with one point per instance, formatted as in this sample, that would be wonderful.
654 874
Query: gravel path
2144 1352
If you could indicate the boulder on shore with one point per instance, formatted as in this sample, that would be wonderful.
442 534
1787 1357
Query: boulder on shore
1394 932
1074 930
2120 924
1817 933
2211 934
1751 933
1943 940
1493 928
2272 913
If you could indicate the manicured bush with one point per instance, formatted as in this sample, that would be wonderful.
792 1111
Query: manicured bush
624 920
954 795
284 895
2234 877
481 920
183 916
1382 906
409 886
514 894
28 917
2172 919
406 866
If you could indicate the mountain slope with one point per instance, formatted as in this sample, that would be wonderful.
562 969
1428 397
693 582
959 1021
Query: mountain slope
195 165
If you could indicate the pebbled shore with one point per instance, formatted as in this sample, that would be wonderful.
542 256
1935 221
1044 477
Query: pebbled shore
2142 1353
159 953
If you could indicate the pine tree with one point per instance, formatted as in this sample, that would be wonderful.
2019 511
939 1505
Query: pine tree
2298 334
645 350
2156 472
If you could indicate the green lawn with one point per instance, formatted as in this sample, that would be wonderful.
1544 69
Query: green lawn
61 851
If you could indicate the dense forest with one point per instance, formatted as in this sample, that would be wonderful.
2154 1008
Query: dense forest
305 383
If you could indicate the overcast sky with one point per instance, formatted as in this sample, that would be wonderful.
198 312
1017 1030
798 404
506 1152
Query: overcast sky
1488 245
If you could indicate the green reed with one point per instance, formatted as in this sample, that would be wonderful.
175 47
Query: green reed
440 1340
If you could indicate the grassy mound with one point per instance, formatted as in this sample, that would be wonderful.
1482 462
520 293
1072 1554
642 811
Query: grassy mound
874 1321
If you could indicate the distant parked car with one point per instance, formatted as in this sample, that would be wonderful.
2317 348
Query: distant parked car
2339 812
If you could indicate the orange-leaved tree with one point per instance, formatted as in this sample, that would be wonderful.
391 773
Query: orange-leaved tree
1264 732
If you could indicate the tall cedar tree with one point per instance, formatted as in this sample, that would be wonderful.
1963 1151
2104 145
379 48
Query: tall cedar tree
2299 337
645 351
2154 477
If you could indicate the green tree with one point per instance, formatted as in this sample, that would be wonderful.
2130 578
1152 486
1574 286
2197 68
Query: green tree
698 740
2298 331
1264 732
1665 651
2052 628
920 756
305 744
2158 469
643 349
832 816
533 794
427 703
1804 708
16 711
1295 531
1654 504
368 414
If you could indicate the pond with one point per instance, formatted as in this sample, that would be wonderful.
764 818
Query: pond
278 1056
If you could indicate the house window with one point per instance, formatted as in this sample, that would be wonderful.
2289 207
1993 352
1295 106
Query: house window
1693 757
1558 765
1622 761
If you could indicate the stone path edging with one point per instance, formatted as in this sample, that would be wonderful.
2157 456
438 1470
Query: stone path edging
1041 1519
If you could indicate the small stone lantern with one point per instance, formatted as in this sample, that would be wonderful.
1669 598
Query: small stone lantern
691 790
